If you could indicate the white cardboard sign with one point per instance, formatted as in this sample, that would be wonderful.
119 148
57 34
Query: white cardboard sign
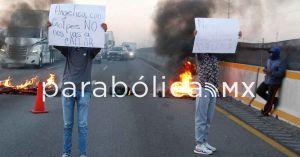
75 25
215 35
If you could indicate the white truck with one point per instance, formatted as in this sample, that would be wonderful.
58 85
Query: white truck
109 44
26 41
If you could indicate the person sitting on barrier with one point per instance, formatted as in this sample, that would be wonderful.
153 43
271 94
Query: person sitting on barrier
77 70
274 73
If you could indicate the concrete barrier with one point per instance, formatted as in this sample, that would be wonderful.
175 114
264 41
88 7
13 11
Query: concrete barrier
289 106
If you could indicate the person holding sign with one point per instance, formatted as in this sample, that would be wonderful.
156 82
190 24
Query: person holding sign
77 73
208 72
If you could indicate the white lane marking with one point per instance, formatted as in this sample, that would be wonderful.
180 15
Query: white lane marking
152 67
104 68
53 67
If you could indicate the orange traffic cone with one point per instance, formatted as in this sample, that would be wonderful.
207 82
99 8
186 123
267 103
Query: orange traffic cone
39 103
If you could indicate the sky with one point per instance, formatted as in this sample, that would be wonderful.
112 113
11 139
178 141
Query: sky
132 20
280 21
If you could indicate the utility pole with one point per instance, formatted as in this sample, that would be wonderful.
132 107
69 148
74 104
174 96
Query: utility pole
262 46
228 9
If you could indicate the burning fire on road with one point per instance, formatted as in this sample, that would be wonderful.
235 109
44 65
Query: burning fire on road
182 85
29 87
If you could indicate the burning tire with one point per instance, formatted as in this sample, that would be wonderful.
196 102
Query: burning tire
119 90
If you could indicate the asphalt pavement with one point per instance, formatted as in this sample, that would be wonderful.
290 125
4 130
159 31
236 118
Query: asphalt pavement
118 127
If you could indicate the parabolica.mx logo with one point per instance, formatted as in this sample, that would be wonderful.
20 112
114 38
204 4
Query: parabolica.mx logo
176 89
213 90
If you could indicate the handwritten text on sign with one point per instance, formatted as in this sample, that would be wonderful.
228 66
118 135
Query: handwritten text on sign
76 25
216 35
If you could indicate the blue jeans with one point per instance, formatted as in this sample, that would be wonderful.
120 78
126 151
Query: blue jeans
205 107
82 114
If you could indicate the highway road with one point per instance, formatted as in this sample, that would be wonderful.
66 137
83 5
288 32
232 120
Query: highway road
118 127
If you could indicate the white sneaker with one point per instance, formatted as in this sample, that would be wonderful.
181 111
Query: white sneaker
65 155
201 149
210 147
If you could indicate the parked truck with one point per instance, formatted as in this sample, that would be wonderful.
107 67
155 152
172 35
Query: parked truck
26 41
109 44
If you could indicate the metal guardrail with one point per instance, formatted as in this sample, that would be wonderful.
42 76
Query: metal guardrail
257 53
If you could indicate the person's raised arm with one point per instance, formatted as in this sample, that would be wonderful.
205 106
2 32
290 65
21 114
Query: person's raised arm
95 51
195 33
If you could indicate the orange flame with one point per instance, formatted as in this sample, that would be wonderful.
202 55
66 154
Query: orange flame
183 87
6 83
50 81
28 83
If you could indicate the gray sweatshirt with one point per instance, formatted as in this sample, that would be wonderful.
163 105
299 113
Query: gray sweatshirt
78 67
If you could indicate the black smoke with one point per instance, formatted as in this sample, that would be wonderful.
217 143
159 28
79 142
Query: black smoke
11 6
174 22
174 26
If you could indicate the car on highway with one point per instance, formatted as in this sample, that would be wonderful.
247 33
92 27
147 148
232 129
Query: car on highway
130 55
118 53
131 47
